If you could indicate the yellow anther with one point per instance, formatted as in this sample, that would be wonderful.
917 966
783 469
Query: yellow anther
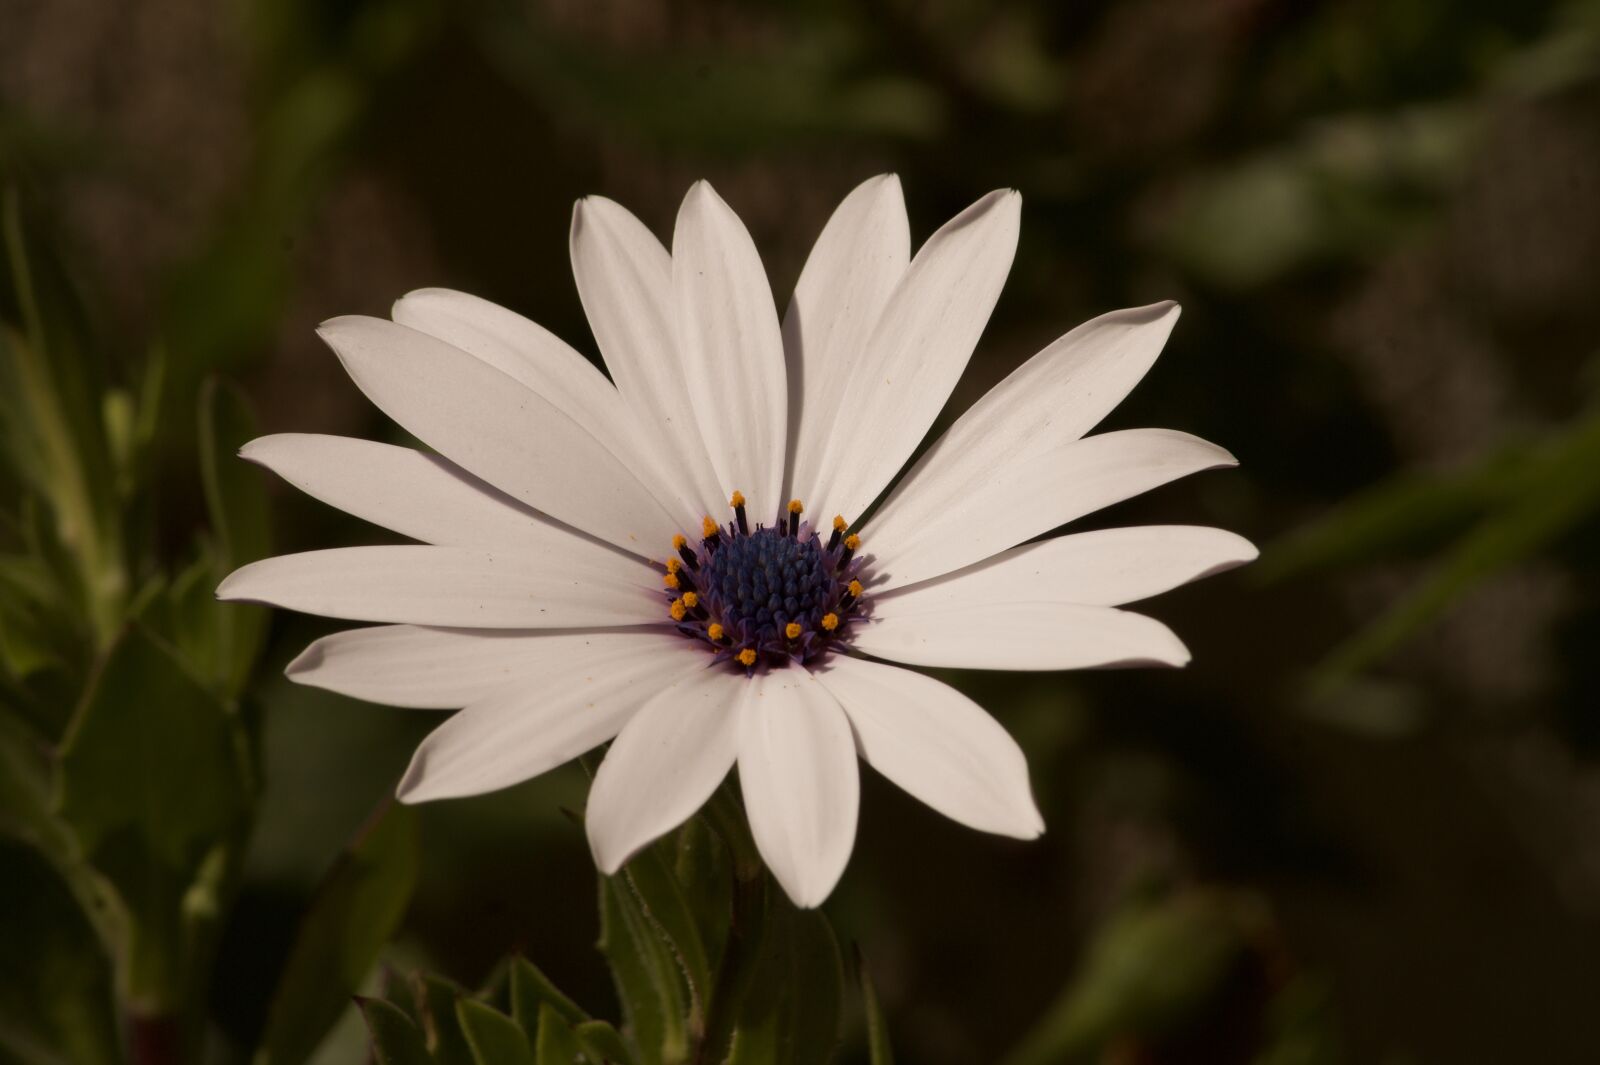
839 524
691 600
677 610
708 528
714 631
852 541
674 564
747 657
670 580
795 506
737 499
792 630
830 621
679 542
855 589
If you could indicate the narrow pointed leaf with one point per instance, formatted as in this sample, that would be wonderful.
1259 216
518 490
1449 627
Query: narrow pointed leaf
153 780
557 1044
603 1043
236 501
436 1000
648 978
56 1002
703 867
791 1013
396 1040
1152 966
530 989
356 909
878 1050
663 903
494 1038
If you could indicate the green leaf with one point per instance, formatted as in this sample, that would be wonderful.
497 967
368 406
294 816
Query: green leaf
494 1038
557 1044
703 866
1557 490
662 902
1411 515
25 800
27 813
531 988
745 919
436 1000
790 1015
603 1043
1152 966
56 1004
356 909
395 988
53 432
648 977
32 617
237 503
60 458
395 1039
153 780
878 1050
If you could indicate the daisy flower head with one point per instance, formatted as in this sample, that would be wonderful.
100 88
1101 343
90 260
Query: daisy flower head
672 558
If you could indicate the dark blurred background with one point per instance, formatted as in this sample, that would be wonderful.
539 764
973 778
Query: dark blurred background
1363 826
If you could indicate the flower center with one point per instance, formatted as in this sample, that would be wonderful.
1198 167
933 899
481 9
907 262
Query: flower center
777 593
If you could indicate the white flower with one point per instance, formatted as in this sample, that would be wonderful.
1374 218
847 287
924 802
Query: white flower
558 503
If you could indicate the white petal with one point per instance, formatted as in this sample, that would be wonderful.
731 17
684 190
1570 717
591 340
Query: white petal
530 354
937 744
917 350
732 349
853 269
1107 567
497 429
624 279
413 493
1063 391
405 665
518 348
454 587
947 514
989 635
665 764
797 770
581 701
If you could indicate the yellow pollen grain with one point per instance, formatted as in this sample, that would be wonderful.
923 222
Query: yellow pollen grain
852 541
839 524
747 657
737 499
795 506
670 580
792 630
855 589
677 610
830 621
708 528
679 542
674 564
691 600
714 631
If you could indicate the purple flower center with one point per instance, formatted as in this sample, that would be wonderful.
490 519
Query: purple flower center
777 593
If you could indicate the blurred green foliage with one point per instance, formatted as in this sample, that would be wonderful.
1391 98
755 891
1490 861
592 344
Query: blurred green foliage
711 962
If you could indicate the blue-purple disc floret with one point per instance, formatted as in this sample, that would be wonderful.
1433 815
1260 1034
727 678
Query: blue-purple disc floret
772 594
